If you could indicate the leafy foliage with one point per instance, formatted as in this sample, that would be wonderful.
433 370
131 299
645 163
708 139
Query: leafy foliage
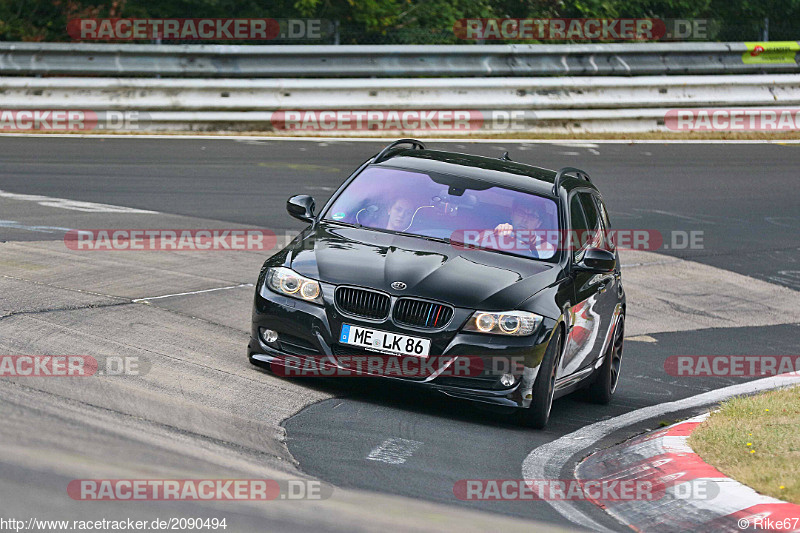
399 21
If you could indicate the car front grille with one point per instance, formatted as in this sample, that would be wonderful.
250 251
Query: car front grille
422 314
361 302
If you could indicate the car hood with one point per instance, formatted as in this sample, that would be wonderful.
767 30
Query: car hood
476 279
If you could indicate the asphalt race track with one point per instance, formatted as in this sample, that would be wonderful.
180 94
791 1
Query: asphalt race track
199 409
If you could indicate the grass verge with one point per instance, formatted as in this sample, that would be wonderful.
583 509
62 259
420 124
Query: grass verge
756 441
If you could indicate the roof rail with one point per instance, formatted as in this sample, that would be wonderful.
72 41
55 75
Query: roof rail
383 153
562 173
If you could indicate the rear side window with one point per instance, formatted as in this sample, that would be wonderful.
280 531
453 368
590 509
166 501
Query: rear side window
608 237
590 210
595 236
587 229
603 213
578 227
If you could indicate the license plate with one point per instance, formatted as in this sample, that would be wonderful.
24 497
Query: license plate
384 341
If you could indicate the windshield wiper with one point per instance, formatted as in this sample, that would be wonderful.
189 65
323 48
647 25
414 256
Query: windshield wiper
340 223
392 232
425 237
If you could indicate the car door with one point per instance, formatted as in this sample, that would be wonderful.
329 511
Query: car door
609 298
589 316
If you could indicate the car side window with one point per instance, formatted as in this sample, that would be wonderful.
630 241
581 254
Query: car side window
608 240
594 237
578 228
603 213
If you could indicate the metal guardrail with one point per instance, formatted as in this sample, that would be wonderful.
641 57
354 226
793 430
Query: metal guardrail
326 61
423 93
563 104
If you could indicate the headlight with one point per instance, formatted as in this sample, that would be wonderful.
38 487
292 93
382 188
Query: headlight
289 283
515 323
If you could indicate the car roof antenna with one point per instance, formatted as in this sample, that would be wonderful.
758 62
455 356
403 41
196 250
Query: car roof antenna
505 157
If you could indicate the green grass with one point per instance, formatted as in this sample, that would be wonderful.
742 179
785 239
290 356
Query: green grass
756 441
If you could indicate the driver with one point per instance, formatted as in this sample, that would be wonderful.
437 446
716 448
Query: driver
525 220
527 217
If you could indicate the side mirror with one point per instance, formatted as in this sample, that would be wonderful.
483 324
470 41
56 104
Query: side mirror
597 260
301 207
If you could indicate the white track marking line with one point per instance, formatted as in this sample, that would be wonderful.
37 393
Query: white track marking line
394 451
385 140
641 338
547 461
13 224
139 300
676 215
699 418
73 205
776 221
651 263
575 144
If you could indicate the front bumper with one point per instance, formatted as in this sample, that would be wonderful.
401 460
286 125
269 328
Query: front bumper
309 333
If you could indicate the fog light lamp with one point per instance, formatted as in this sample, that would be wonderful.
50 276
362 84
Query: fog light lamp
506 380
269 335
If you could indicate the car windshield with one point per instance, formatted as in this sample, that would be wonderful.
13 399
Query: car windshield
453 209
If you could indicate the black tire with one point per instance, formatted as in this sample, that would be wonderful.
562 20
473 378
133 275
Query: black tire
605 384
537 415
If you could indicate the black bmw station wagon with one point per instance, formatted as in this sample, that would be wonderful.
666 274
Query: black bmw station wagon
484 279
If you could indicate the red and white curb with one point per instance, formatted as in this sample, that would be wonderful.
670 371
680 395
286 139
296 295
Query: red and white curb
689 494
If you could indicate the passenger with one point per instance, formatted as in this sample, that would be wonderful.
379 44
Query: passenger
401 214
